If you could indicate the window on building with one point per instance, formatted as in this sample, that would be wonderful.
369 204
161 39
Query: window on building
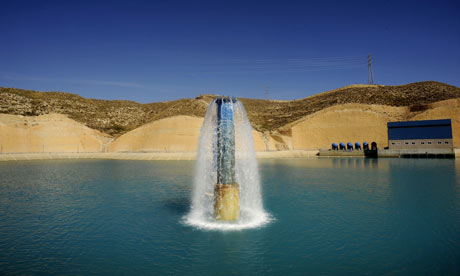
423 143
406 143
429 143
439 142
398 143
393 143
446 142
413 143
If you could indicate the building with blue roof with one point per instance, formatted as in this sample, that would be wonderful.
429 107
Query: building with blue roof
428 134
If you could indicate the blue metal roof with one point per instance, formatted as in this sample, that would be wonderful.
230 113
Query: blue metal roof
420 123
432 129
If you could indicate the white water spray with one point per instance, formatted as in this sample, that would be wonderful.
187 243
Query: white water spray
252 213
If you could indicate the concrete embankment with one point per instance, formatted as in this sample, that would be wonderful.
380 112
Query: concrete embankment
415 153
144 155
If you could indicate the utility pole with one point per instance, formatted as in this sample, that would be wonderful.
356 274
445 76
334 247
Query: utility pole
266 92
370 77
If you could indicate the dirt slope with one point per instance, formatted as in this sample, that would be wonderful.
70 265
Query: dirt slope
118 117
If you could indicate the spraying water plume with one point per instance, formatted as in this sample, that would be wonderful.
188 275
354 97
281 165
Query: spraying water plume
226 193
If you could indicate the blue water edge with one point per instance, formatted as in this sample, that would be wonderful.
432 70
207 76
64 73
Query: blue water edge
329 217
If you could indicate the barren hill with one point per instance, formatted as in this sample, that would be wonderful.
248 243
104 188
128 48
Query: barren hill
112 117
270 115
118 117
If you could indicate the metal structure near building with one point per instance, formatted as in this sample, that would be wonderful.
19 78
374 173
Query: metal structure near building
429 134
350 149
366 146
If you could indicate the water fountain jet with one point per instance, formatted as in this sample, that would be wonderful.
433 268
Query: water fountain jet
226 192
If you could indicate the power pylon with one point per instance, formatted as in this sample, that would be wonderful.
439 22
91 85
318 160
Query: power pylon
370 77
266 92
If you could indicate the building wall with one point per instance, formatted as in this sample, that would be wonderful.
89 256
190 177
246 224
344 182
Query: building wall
441 110
421 144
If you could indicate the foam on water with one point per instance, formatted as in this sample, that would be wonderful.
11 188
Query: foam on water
246 172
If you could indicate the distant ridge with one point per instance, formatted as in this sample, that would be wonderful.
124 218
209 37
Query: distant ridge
271 116
117 117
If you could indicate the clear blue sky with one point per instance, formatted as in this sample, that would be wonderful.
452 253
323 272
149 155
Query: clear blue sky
150 51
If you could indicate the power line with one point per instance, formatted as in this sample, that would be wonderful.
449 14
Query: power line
370 77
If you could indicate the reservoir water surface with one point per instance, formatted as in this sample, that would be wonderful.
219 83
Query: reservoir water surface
328 216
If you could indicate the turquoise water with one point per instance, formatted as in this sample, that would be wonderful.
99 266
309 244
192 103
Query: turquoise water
330 216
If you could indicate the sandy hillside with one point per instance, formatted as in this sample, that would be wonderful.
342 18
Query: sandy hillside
118 117
48 133
350 114
173 134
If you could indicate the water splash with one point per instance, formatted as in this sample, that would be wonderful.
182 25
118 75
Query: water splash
252 213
